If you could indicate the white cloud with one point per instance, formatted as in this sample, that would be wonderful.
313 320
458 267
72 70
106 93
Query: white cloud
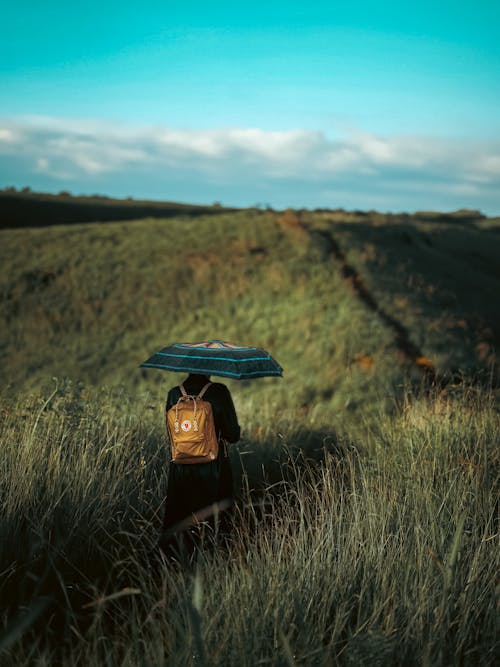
42 164
488 165
73 151
7 134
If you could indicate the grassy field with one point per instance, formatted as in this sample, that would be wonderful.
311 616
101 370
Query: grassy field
367 523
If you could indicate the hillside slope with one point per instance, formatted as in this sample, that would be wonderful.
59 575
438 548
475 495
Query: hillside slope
32 209
91 302
433 280
350 304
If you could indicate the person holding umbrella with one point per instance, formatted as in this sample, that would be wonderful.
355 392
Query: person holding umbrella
201 487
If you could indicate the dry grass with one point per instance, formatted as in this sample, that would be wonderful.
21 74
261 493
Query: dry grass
379 553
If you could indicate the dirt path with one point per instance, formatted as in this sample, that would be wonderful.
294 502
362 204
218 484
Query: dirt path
409 351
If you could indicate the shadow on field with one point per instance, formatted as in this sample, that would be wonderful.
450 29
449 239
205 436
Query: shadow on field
270 473
448 271
260 464
33 209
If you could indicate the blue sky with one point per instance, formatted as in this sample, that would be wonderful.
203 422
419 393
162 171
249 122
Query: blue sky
358 105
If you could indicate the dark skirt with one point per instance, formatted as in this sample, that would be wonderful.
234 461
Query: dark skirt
194 487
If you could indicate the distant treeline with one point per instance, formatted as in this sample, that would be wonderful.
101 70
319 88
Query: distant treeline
29 209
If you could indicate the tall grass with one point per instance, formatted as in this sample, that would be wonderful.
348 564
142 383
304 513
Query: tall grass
376 552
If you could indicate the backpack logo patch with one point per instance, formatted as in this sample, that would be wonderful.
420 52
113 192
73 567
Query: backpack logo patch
186 425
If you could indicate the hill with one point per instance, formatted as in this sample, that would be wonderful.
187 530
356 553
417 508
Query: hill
32 209
366 479
367 298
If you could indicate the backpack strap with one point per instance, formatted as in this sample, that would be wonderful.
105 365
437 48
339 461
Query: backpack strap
202 392
183 391
181 399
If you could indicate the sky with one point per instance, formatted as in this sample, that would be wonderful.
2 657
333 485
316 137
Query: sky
367 105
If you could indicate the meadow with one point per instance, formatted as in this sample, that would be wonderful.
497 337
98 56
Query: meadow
366 530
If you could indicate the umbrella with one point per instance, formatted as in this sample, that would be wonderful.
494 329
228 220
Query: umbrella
215 357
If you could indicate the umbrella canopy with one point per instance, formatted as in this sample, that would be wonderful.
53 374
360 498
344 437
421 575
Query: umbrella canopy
215 357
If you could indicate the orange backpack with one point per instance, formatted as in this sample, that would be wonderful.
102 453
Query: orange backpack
191 429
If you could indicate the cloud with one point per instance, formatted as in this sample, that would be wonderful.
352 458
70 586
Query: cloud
399 170
6 135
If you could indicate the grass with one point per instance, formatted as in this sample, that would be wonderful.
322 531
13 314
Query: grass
91 302
367 521
439 279
381 552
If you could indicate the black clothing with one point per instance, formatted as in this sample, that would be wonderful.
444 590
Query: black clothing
192 487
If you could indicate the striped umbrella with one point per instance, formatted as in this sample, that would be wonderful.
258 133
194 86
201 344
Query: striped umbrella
215 357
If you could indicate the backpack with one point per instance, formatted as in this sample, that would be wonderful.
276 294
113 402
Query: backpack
191 429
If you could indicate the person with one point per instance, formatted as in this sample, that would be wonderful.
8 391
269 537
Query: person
196 487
